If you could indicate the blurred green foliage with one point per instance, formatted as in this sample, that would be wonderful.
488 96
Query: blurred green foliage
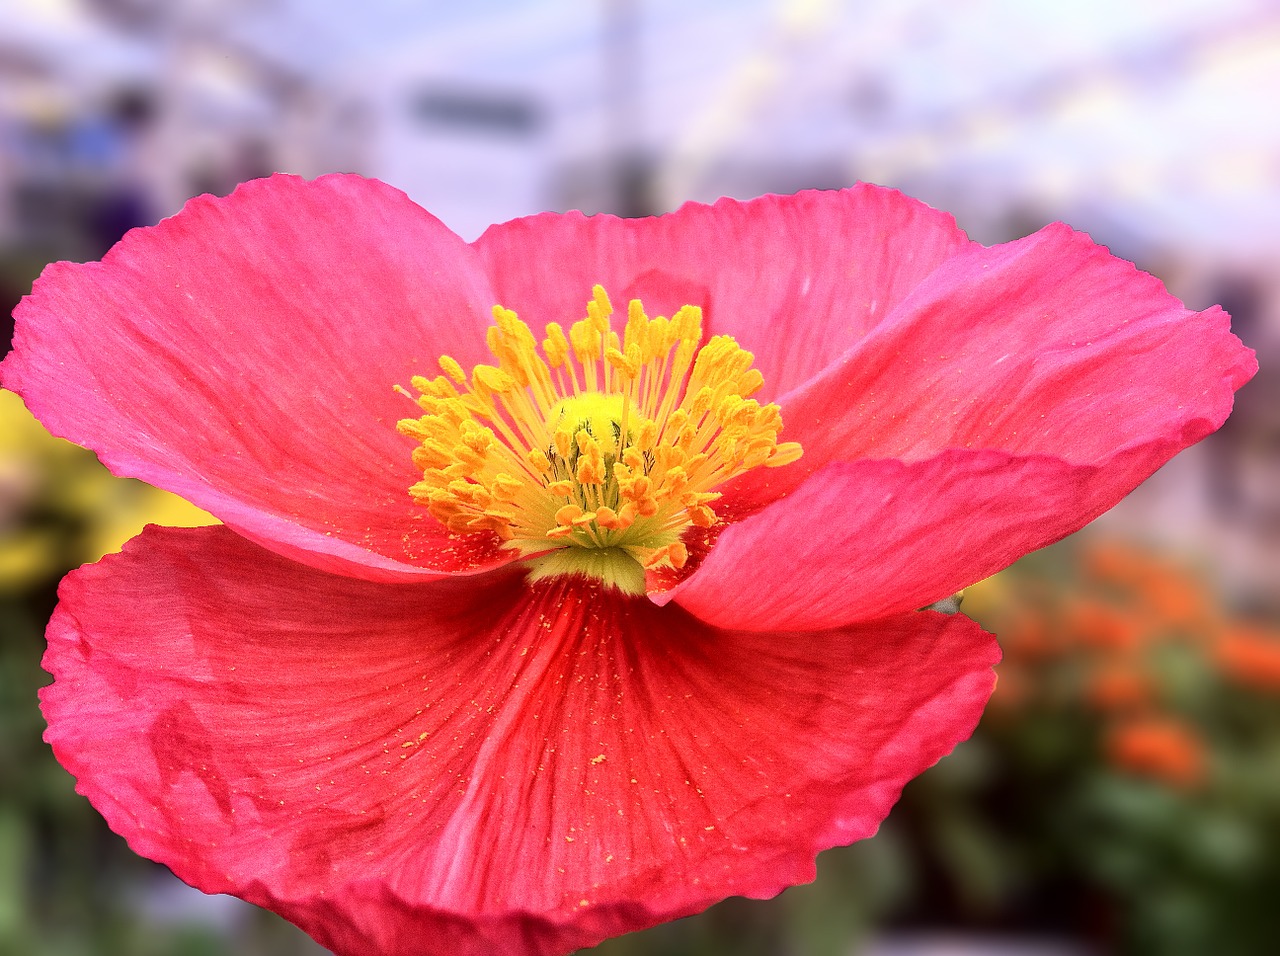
1138 727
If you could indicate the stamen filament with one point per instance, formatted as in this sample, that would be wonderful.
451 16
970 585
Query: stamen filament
549 452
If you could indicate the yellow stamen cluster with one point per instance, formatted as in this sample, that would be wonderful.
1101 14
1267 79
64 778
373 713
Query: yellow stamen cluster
597 442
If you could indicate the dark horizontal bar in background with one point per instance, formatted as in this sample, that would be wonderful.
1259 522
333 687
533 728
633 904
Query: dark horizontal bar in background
477 110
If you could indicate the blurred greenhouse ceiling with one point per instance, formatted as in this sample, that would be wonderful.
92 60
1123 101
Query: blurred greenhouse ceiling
1156 115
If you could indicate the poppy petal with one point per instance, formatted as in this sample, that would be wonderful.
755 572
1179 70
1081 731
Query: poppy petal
243 354
474 765
795 279
1044 346
867 539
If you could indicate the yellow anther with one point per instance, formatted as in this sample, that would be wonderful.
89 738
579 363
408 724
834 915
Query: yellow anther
599 309
695 498
490 379
431 454
701 516
587 443
627 364
468 493
476 438
414 429
668 456
636 331
769 418
659 340
564 441
674 554
688 323
693 465
453 411
750 382
510 324
756 455
565 515
599 440
637 487
647 436
467 455
590 470
555 346
586 340
506 487
784 454
675 481
701 403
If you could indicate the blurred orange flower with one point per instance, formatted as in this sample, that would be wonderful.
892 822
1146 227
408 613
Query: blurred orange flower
1251 657
1030 635
1115 562
1164 588
1160 747
1119 688
1100 625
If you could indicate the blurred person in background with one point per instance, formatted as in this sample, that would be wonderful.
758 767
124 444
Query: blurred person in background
117 138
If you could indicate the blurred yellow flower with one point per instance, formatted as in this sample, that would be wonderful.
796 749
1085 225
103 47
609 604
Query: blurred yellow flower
59 507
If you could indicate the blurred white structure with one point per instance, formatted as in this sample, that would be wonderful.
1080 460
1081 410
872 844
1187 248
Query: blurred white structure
1151 118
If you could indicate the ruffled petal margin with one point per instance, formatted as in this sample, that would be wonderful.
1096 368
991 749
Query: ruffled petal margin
1048 345
795 279
869 539
473 765
243 355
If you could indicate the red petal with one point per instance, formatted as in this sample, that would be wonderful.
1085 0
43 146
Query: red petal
243 353
473 766
862 540
796 279
1048 345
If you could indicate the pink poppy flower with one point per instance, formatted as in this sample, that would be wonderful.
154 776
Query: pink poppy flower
578 643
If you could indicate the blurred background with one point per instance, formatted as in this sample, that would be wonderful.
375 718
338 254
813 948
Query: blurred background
1123 791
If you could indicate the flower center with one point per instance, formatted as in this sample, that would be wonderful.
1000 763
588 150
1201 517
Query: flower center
595 454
